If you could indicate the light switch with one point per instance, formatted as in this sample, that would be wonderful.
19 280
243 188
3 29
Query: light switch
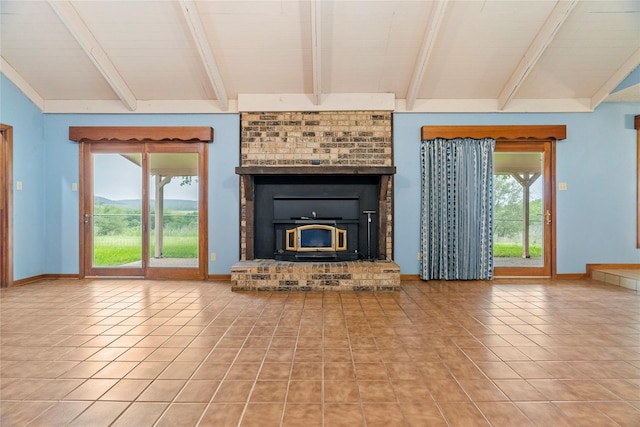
74 186
562 186
19 185
213 256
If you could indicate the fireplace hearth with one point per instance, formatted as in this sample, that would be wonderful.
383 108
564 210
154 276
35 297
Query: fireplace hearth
271 275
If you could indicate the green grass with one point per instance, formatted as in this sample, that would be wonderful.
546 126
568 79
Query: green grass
118 250
514 250
179 247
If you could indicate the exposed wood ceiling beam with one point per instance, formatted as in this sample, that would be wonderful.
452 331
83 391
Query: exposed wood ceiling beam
630 64
430 36
316 50
76 26
21 83
199 35
540 43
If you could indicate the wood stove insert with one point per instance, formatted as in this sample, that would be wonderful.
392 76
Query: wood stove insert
343 209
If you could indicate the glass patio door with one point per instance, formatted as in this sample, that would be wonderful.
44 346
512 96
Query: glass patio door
173 211
142 210
115 214
522 217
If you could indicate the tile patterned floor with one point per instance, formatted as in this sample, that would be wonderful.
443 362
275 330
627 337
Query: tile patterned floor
143 353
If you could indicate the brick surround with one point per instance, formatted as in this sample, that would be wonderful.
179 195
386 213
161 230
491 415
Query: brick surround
315 139
332 138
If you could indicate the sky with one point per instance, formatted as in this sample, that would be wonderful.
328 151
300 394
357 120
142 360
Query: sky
117 178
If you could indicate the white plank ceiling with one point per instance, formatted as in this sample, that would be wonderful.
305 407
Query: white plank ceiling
185 56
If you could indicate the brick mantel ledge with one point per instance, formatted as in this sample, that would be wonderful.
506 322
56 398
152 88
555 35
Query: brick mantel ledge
316 170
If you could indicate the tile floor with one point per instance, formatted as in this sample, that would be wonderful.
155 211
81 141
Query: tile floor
143 353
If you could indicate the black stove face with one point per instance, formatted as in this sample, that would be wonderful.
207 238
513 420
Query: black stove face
285 203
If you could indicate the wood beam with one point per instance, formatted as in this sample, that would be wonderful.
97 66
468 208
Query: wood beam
605 90
114 106
303 102
428 43
540 43
21 84
76 26
196 28
382 217
316 50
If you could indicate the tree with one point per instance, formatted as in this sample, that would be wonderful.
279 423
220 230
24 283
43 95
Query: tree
507 206
108 220
111 220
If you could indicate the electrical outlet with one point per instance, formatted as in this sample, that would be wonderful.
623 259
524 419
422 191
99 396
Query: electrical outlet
213 256
562 186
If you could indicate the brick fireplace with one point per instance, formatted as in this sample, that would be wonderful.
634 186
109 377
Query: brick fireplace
320 172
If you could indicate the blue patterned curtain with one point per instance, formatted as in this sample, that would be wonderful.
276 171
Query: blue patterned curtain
457 209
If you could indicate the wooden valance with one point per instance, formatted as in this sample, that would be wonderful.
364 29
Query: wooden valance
516 132
141 133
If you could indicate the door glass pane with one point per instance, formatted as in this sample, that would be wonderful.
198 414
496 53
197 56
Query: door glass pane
173 206
117 210
518 216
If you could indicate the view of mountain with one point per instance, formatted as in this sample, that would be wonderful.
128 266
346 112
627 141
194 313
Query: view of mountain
170 204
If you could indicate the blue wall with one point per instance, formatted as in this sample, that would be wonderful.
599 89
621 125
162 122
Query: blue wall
632 79
29 217
595 217
46 210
